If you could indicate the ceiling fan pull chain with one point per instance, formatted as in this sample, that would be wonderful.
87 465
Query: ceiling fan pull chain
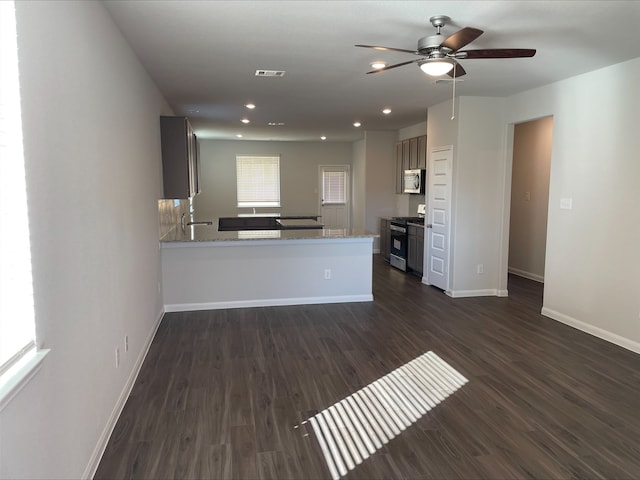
453 99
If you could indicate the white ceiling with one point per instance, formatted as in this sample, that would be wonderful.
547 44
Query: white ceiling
203 56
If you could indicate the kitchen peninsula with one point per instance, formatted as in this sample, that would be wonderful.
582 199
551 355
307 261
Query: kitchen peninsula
205 268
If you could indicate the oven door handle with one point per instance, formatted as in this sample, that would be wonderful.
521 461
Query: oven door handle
398 229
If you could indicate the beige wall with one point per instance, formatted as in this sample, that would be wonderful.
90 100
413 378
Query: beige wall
530 197
299 174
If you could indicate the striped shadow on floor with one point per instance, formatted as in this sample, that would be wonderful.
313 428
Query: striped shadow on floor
353 429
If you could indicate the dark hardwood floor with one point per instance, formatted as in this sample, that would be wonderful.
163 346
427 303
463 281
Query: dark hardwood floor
224 393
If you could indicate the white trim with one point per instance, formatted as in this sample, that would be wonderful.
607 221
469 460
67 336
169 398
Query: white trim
490 292
592 330
267 302
530 276
103 441
17 377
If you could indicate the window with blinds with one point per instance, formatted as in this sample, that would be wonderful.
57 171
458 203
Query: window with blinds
334 187
258 179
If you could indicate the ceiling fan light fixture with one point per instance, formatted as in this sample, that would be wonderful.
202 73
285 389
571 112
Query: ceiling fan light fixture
378 65
436 66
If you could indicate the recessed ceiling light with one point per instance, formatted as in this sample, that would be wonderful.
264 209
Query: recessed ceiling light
386 111
378 65
323 137
250 106
245 120
239 135
356 124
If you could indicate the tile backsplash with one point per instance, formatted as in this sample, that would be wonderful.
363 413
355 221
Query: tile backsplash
169 213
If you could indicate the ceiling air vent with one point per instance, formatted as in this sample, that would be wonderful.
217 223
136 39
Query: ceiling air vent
269 73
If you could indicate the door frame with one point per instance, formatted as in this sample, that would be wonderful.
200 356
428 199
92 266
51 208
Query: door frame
341 167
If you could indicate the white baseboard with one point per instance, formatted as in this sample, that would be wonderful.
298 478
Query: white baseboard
529 275
489 292
98 451
268 302
592 330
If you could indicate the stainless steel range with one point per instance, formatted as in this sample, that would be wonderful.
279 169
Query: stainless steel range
398 244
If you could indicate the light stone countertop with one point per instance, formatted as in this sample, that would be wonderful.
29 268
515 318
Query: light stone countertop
210 233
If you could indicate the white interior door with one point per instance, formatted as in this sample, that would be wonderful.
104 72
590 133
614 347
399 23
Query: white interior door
439 217
334 196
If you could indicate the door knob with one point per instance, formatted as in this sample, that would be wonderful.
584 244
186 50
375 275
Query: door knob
428 225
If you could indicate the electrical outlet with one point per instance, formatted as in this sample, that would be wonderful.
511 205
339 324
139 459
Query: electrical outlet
117 357
159 286
480 269
126 343
527 196
327 274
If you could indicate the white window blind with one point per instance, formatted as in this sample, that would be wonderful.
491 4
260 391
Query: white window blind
334 187
17 328
258 180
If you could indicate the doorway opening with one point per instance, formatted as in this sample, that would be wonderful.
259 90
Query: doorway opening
532 142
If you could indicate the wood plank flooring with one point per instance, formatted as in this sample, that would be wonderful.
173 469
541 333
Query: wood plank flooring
222 394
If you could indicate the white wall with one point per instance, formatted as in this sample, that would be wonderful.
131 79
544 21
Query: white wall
592 274
213 275
299 173
92 148
477 134
478 183
592 279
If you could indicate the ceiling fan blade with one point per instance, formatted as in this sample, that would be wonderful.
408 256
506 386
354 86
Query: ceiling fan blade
392 66
391 49
497 53
461 38
459 71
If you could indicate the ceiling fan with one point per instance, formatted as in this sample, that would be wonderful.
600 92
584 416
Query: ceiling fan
438 54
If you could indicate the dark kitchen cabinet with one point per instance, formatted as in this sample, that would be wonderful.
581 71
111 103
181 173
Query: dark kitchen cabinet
422 152
385 238
406 155
413 153
415 248
410 154
180 158
399 169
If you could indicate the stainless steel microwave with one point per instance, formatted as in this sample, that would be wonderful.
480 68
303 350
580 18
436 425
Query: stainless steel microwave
414 181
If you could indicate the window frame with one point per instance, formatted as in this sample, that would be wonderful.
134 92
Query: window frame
250 199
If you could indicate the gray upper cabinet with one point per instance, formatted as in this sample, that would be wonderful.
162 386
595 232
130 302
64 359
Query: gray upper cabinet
422 152
399 169
180 158
410 153
413 152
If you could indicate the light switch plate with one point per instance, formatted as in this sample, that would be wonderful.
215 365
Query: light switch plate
566 203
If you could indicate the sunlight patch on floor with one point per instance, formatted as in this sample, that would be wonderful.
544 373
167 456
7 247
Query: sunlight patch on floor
353 429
